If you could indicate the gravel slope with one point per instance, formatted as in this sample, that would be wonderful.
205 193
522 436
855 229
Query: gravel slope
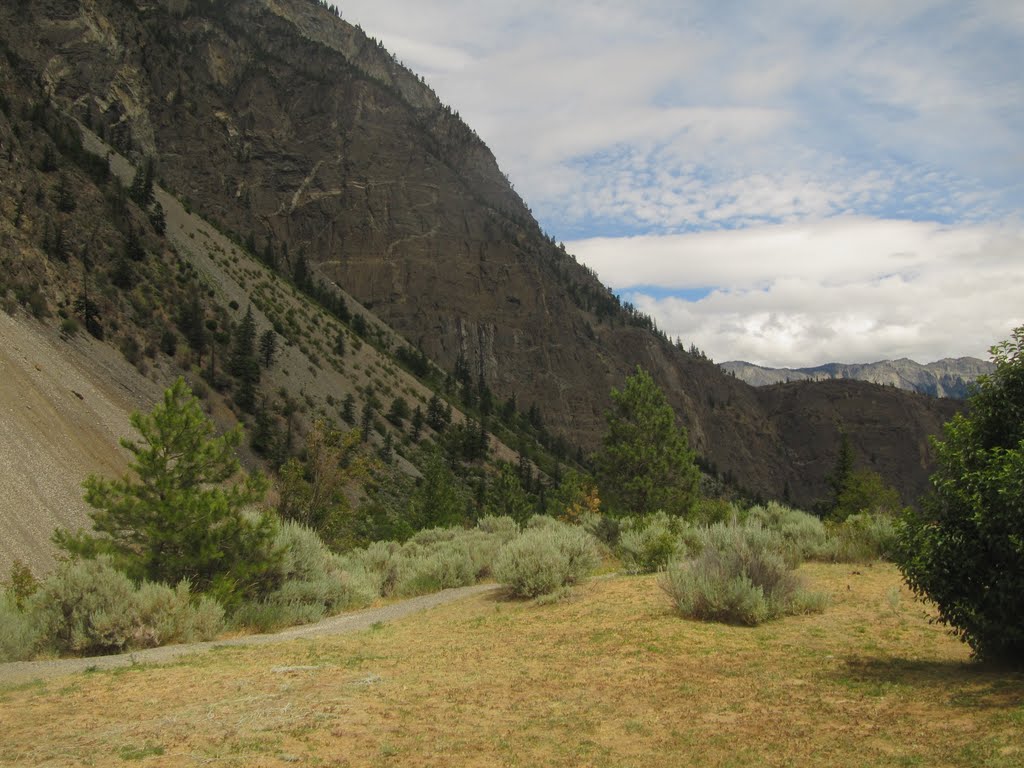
64 405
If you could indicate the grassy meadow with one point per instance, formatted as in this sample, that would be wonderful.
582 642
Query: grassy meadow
608 676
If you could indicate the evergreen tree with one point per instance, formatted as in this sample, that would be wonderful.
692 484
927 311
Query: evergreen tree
243 364
505 496
179 518
439 499
348 409
417 425
645 463
437 416
268 347
840 475
192 326
366 421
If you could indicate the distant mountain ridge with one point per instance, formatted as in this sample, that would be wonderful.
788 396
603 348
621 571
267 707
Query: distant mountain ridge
949 377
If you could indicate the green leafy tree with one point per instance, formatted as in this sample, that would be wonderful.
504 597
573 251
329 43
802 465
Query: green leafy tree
645 463
965 548
180 518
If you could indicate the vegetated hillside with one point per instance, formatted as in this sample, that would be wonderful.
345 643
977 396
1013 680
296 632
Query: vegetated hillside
282 123
949 377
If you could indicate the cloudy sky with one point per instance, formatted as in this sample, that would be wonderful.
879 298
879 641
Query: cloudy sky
788 183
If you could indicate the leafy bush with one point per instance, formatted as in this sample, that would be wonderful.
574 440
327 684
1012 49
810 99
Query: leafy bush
431 570
88 607
314 582
740 577
504 527
708 511
18 636
805 534
544 558
647 544
605 529
169 615
965 548
862 538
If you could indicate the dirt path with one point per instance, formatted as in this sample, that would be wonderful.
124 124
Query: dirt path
18 672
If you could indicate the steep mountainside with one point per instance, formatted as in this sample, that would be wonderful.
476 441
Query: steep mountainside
288 127
949 377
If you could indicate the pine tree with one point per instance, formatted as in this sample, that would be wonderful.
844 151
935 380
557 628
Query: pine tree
179 518
645 463
268 347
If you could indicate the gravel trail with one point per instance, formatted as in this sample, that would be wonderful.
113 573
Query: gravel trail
17 672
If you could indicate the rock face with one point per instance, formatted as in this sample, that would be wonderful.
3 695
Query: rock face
286 125
949 377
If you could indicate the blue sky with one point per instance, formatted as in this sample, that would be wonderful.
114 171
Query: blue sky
788 183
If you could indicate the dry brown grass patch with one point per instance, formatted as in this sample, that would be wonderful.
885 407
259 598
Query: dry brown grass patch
611 677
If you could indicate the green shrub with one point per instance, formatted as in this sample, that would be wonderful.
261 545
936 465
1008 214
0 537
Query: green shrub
504 527
314 581
85 607
380 560
805 534
743 575
864 537
647 544
267 616
88 607
544 558
432 570
167 615
18 636
604 528
708 511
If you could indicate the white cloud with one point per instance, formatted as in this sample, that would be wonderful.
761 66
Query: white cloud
852 290
834 170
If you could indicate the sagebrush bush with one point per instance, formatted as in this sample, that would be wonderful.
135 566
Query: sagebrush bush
862 538
647 544
743 575
544 558
85 607
18 636
803 533
169 615
266 616
708 510
88 607
605 529
435 568
503 526
314 582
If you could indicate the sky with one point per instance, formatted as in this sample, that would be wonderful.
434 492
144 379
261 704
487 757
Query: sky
788 183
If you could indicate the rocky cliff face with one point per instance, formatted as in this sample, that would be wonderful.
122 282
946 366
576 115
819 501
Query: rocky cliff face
949 377
293 129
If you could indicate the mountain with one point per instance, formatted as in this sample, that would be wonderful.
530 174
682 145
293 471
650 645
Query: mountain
301 171
949 377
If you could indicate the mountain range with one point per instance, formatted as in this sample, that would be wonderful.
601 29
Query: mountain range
949 377
167 157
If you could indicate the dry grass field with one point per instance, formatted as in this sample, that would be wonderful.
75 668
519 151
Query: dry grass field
607 677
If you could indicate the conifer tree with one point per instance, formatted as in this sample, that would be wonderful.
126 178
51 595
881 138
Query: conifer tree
179 518
645 463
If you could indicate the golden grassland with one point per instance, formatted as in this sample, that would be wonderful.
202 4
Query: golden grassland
610 676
